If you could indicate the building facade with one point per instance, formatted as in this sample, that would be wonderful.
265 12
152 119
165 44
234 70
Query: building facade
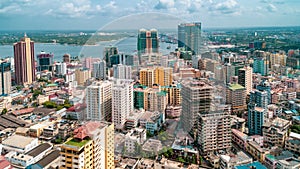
189 37
24 61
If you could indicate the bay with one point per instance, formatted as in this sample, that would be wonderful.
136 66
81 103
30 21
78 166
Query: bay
126 45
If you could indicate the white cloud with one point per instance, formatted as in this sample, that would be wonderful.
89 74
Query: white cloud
271 8
165 4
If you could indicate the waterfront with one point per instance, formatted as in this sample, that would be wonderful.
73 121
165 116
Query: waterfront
126 45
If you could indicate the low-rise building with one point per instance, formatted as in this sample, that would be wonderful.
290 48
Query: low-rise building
17 143
256 151
133 138
293 143
231 160
275 132
290 163
253 165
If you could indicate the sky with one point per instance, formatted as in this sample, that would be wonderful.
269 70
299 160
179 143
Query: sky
125 14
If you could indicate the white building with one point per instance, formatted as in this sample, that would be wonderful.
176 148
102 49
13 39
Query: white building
135 136
61 68
99 70
17 143
122 71
122 101
99 101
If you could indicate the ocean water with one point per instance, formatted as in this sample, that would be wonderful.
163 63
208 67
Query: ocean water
126 45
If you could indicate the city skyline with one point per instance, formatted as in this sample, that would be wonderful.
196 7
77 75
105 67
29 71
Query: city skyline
92 15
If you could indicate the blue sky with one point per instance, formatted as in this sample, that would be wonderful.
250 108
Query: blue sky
94 14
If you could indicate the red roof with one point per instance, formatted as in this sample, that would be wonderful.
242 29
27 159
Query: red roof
76 107
23 111
4 163
86 130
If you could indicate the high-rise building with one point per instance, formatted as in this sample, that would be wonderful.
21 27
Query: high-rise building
99 101
236 96
122 101
189 37
245 78
147 42
61 68
88 62
24 61
162 76
260 98
214 132
44 61
147 77
256 119
196 98
5 79
278 59
265 86
82 75
122 71
99 69
261 66
108 52
174 94
67 58
92 146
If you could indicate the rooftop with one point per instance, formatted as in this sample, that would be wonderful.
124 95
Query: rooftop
39 149
235 86
23 111
255 164
14 141
48 158
77 143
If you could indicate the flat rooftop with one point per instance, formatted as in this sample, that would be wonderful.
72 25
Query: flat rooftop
255 164
39 149
18 141
48 158
236 87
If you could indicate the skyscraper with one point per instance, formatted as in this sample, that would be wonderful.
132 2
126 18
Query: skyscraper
256 119
99 101
24 61
196 98
5 79
189 37
245 78
261 65
99 70
147 42
122 71
122 101
44 61
92 146
108 52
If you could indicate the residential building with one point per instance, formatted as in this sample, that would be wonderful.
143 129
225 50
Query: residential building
82 75
152 121
256 151
292 143
88 62
24 61
260 98
275 132
256 119
236 96
196 98
189 37
229 161
92 146
255 164
147 77
66 58
290 163
61 68
122 101
214 132
245 78
99 70
278 59
99 101
174 94
158 75
122 71
261 66
134 137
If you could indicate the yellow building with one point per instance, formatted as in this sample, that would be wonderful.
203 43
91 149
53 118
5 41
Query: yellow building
158 75
82 75
257 152
174 96
278 59
91 147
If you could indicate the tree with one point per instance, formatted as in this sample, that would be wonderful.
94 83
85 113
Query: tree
4 111
50 104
